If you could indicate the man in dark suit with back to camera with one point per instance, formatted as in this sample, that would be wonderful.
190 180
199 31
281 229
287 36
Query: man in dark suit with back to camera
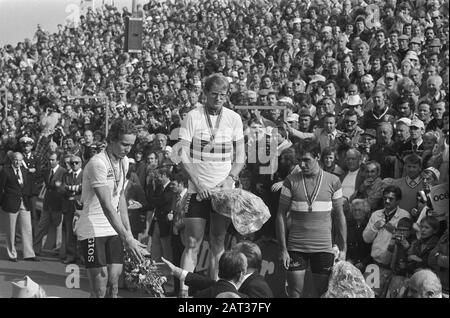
253 285
15 192
232 268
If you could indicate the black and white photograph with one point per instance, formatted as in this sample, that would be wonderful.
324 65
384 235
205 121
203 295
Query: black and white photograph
197 149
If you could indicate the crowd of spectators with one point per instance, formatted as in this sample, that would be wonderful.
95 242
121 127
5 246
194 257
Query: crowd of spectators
367 80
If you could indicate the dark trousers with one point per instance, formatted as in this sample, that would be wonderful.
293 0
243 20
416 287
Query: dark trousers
48 218
69 238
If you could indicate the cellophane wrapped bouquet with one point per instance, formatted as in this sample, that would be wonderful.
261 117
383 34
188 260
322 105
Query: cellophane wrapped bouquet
144 276
247 211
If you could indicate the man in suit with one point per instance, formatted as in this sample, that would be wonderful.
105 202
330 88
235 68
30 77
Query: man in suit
232 268
160 228
30 162
52 209
254 285
15 193
352 178
71 187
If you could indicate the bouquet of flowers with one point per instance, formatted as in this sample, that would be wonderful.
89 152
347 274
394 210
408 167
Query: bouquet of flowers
145 276
247 211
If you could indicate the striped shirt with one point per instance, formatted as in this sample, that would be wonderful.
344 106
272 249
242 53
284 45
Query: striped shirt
212 159
310 231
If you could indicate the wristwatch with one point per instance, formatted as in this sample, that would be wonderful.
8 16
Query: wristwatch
235 178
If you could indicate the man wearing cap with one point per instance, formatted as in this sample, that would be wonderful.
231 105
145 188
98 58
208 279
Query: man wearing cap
415 145
353 102
380 111
434 46
415 45
403 46
402 134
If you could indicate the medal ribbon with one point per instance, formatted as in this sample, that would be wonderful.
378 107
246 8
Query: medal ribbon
212 130
315 192
116 180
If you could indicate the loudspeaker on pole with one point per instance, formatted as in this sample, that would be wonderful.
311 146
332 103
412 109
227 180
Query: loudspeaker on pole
133 35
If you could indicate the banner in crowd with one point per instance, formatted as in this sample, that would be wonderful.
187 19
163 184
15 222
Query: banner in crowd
439 199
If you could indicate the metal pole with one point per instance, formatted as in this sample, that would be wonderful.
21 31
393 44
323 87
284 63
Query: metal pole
134 8
107 117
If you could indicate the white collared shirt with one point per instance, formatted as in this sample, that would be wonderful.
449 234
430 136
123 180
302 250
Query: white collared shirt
55 168
18 172
77 172
183 193
166 184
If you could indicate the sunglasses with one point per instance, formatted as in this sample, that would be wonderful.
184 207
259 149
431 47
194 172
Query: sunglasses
75 162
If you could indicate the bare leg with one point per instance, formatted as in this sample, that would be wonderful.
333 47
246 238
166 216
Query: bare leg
218 230
296 282
98 279
114 271
193 237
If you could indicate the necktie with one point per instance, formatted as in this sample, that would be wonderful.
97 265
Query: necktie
51 176
18 176
178 202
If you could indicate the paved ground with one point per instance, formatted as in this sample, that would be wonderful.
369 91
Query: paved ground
50 273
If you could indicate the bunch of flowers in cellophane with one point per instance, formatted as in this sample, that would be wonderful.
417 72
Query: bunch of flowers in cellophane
246 210
144 276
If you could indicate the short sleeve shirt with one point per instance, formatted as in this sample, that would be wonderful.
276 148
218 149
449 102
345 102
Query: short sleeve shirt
212 159
311 230
98 173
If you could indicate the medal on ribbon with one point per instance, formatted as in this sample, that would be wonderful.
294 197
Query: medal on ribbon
212 130
311 198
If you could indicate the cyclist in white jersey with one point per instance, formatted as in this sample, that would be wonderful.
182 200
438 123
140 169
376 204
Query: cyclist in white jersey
103 228
213 155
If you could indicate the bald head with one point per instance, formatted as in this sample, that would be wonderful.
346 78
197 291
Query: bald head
17 159
353 159
425 284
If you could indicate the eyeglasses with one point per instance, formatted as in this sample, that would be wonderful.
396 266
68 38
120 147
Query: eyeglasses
350 121
75 162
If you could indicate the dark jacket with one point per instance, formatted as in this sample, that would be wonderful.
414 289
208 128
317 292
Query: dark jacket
53 196
71 190
11 192
221 286
254 286
163 202
32 163
385 155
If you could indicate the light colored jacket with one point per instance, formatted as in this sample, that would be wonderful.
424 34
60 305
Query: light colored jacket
380 239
